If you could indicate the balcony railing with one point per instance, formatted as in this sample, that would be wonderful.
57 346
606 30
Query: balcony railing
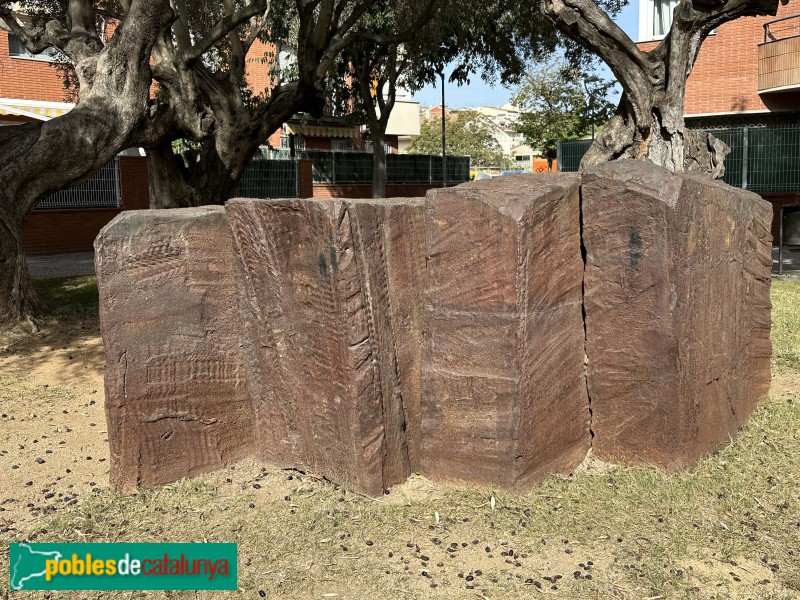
779 55
781 29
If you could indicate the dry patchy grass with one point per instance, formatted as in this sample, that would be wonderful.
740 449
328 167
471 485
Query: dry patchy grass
728 528
786 323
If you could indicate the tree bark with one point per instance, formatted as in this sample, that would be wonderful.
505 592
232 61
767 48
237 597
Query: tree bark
39 158
190 178
167 180
378 165
210 175
648 123
18 302
378 108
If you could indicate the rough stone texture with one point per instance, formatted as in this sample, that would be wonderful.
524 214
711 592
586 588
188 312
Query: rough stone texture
176 401
677 311
504 399
329 305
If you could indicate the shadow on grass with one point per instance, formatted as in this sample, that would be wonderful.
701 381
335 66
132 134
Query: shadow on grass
68 343
67 299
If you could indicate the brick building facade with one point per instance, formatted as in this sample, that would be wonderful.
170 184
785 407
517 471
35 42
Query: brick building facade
725 77
745 88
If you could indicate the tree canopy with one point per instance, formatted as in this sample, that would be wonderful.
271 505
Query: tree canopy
467 133
560 102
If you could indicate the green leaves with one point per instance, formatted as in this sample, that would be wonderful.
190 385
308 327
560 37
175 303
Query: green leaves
560 102
468 133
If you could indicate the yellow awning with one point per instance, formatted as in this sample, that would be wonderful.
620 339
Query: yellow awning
322 131
42 113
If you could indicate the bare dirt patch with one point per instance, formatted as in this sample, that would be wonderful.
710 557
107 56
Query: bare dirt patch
53 447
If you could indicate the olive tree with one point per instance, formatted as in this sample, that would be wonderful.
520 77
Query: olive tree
37 158
648 122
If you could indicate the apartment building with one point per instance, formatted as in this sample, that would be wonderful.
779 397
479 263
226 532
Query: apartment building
745 88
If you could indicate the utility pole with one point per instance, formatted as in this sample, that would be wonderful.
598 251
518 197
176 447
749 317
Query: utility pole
444 141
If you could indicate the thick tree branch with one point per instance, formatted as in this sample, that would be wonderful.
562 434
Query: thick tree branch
236 70
590 26
34 41
180 27
81 18
324 23
257 28
222 28
84 38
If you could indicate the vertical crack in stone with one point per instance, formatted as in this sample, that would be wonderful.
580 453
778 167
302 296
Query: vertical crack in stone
583 316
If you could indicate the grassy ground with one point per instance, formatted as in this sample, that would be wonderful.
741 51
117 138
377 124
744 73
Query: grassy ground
67 299
729 528
785 320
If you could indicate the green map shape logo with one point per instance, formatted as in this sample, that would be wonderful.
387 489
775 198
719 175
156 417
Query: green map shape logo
28 564
159 566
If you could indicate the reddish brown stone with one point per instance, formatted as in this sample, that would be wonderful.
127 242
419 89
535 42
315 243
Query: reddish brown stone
677 311
176 401
504 399
329 308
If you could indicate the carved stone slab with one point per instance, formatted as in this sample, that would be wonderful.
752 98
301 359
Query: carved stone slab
504 399
330 309
677 311
176 400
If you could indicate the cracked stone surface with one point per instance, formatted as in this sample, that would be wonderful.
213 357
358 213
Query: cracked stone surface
677 311
176 401
329 302
504 396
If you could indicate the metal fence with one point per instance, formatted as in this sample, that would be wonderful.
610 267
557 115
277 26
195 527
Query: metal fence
101 190
763 158
570 154
356 167
773 159
272 174
269 178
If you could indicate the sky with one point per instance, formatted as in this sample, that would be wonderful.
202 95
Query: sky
478 93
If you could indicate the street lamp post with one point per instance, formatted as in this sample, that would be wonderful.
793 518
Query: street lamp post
444 144
586 81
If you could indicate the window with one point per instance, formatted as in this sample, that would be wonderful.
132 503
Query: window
662 16
16 49
342 145
299 142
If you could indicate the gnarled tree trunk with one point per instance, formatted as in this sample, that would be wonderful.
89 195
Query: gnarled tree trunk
649 121
39 158
210 175
191 178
